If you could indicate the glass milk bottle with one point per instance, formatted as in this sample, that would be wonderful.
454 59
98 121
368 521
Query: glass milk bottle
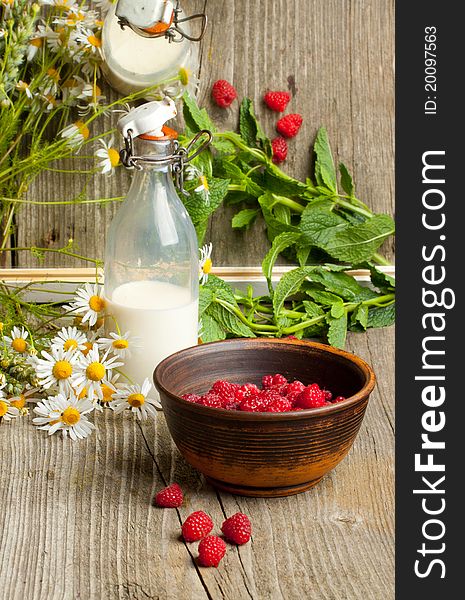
151 255
145 43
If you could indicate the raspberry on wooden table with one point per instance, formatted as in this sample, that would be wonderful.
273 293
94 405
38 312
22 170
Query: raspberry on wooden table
237 529
277 101
280 149
211 550
196 526
169 497
223 93
289 125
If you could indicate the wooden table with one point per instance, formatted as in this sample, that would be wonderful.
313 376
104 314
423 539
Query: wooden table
76 519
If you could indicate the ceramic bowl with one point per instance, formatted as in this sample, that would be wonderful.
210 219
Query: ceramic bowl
263 454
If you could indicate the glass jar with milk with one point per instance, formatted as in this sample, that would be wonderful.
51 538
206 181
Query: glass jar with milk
151 255
145 43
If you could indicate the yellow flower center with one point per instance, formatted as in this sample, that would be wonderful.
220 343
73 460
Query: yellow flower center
204 181
99 23
94 41
37 42
83 394
95 371
136 400
120 344
183 76
62 369
3 408
70 345
113 155
96 303
53 74
88 347
71 416
107 393
19 402
83 129
22 86
207 266
19 345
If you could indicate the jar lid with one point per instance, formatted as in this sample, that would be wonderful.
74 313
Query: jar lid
151 15
148 119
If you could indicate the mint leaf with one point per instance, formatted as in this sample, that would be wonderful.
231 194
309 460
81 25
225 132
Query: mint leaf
342 284
384 282
325 171
357 243
245 217
211 330
319 224
302 254
346 180
229 321
337 330
206 297
203 204
289 284
312 309
279 183
280 243
250 129
220 289
322 297
195 118
360 316
275 226
381 316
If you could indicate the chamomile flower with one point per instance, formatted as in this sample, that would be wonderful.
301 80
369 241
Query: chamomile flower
58 368
20 401
121 346
7 412
87 40
17 339
104 5
109 155
34 45
66 414
22 86
89 301
96 371
69 338
135 398
75 134
50 84
205 263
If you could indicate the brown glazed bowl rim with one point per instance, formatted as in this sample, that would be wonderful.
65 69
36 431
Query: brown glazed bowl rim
364 392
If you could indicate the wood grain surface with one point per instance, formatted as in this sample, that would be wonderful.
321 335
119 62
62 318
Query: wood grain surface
77 519
336 57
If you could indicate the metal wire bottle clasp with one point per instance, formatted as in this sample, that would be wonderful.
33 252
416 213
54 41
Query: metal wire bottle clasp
178 159
174 33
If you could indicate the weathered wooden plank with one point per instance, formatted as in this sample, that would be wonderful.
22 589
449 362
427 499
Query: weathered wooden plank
337 56
77 519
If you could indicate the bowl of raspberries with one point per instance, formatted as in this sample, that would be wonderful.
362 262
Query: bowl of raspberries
264 417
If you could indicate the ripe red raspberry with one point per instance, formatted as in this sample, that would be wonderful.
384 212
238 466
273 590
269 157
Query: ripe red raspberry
328 395
211 550
339 399
294 389
246 391
224 389
289 125
281 405
196 526
169 497
212 400
279 380
279 146
277 101
237 529
267 381
223 93
191 397
311 397
253 404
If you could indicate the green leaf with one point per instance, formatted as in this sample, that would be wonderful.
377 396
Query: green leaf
346 180
211 330
275 226
251 131
202 204
381 316
289 284
220 289
325 171
358 243
195 118
206 297
302 254
312 309
280 243
322 297
245 217
360 316
279 183
319 224
384 282
229 321
337 331
342 284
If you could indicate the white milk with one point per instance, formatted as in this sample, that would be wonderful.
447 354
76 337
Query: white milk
134 62
162 315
